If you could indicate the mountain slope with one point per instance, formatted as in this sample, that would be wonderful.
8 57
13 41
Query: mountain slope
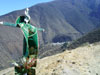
81 61
10 46
91 37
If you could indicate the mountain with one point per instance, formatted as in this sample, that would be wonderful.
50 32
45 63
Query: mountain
91 37
63 21
50 49
80 61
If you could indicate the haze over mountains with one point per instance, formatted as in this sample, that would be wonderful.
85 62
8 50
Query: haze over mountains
63 21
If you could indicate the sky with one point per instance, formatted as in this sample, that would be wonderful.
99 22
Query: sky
7 6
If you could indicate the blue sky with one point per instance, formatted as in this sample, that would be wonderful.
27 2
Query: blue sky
7 6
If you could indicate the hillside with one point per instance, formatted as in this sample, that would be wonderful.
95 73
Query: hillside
90 37
80 61
10 46
50 49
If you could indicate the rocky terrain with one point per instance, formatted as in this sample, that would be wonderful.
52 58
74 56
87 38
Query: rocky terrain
80 61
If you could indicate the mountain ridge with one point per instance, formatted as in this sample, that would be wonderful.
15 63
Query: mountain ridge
91 37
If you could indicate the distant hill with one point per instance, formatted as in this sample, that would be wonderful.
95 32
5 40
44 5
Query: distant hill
63 21
91 37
